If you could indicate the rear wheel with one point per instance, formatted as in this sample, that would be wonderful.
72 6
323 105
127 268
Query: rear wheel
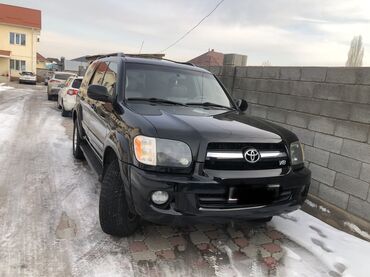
115 217
76 140
58 103
64 112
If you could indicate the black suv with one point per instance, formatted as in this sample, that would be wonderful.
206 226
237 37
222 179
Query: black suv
170 145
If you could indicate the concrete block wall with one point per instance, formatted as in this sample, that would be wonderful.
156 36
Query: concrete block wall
329 110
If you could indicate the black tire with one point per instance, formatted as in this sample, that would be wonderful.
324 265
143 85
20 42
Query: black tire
114 214
50 97
58 105
76 143
64 112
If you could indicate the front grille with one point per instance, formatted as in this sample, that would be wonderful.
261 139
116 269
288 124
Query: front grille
246 196
230 156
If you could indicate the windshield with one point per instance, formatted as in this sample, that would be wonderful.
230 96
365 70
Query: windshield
27 73
62 76
172 84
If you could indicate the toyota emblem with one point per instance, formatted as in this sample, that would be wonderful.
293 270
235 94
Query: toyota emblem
252 155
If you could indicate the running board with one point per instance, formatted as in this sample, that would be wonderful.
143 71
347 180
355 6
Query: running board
92 160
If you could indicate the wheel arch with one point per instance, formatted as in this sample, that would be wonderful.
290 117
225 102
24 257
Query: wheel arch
111 153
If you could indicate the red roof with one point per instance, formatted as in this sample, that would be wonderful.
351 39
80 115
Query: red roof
4 53
20 16
40 57
210 58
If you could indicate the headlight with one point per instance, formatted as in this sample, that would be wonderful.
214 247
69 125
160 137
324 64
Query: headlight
296 153
162 152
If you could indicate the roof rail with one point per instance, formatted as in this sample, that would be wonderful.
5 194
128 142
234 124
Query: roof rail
164 59
99 56
118 54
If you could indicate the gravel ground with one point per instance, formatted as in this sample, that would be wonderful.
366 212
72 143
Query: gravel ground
49 215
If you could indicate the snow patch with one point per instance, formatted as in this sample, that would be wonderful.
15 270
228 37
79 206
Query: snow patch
323 209
311 204
343 253
357 230
3 87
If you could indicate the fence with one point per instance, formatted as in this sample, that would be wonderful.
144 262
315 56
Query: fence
329 110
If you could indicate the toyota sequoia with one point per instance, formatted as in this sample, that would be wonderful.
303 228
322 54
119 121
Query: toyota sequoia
171 146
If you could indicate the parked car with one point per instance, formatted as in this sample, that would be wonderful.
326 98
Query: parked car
27 77
57 79
172 146
67 95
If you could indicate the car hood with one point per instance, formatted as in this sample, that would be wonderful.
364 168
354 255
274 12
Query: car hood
194 124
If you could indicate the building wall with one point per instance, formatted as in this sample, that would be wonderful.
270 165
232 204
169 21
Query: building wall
40 65
20 52
4 66
329 110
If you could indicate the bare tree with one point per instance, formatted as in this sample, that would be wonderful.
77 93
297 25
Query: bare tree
266 63
356 52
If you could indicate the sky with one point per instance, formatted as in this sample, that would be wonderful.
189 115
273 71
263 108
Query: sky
283 32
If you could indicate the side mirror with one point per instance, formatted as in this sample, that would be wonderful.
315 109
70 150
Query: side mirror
242 104
99 93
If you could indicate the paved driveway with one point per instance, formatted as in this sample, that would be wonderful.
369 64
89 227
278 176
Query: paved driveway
49 215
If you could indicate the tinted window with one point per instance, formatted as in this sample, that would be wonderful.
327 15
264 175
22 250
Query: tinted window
77 83
62 76
185 86
27 73
110 78
99 74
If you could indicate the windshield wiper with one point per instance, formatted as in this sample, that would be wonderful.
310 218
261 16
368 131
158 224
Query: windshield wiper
156 100
210 104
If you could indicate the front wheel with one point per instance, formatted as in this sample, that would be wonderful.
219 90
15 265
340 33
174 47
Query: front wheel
116 219
76 140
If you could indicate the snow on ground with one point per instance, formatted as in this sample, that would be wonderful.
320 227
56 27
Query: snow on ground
341 252
356 229
3 87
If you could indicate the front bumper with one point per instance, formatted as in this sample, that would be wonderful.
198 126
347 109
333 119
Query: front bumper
27 81
185 204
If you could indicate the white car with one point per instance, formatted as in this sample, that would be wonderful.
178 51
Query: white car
58 78
27 77
67 95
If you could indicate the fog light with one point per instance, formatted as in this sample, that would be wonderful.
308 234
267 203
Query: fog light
160 197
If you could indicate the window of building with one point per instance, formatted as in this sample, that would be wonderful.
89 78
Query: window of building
18 65
16 38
